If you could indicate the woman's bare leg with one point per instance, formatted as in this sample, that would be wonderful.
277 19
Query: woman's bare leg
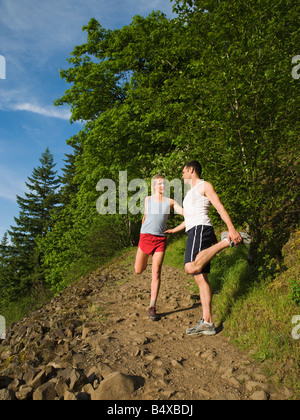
157 261
141 261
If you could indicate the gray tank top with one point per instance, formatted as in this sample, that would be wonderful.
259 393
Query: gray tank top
156 217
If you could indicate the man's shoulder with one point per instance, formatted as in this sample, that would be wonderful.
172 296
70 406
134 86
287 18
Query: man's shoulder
207 185
205 188
203 185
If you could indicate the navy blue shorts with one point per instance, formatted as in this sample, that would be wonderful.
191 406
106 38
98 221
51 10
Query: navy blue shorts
199 238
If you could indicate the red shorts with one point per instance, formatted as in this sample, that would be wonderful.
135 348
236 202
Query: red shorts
150 244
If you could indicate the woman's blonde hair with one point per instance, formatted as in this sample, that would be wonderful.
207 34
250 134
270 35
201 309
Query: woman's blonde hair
153 182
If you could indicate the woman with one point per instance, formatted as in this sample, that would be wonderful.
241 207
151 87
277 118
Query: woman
153 239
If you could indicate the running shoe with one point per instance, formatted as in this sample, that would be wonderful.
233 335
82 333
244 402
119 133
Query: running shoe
246 239
153 315
202 328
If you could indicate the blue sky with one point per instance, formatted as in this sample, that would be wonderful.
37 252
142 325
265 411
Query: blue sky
36 38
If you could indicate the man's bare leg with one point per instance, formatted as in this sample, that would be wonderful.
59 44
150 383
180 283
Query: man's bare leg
205 296
204 257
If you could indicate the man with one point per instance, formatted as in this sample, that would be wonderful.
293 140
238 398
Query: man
199 249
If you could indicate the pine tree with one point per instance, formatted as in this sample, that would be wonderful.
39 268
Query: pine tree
9 284
4 258
3 264
33 223
69 186
35 210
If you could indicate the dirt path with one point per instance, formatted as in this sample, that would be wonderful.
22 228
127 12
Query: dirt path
175 366
99 325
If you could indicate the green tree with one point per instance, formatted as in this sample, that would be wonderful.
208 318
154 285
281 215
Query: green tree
35 210
212 84
34 222
69 187
114 139
246 126
4 250
5 272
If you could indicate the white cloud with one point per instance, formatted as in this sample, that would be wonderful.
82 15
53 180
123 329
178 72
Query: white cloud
63 114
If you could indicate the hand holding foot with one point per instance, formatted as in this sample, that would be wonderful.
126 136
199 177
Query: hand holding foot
242 238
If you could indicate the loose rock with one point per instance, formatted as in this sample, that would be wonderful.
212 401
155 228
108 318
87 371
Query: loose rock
115 387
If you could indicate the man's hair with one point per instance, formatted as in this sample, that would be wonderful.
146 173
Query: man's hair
194 164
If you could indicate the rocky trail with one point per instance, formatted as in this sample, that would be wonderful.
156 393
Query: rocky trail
94 341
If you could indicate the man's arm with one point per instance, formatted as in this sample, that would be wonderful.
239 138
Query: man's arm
213 197
179 210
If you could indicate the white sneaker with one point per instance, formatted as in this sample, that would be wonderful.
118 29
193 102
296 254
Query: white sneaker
202 328
246 239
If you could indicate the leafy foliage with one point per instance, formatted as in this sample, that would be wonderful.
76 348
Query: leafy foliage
21 270
212 84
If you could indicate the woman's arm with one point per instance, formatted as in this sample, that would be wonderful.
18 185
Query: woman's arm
146 203
175 206
177 229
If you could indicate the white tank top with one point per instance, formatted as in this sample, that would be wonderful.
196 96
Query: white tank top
196 207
